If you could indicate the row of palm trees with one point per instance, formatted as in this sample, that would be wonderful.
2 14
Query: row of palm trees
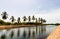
39 20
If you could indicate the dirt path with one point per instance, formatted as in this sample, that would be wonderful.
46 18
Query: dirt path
55 34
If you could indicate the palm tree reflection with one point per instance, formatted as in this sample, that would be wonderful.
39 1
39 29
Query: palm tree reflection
24 34
12 34
18 32
3 36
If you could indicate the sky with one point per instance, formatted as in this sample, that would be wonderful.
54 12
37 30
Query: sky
47 9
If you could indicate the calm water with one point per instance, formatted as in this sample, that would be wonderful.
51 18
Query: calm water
27 32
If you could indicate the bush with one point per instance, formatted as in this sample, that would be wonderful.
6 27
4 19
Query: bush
2 22
7 23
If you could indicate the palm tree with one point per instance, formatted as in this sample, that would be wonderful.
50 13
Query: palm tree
44 21
24 18
18 20
12 19
4 15
39 20
36 20
36 25
29 18
43 28
33 18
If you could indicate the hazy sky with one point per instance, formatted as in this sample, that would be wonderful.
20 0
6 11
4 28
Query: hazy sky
48 9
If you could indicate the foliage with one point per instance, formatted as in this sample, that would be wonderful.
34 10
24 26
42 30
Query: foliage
15 23
29 18
4 15
12 19
33 18
18 20
7 23
2 22
37 21
24 18
43 20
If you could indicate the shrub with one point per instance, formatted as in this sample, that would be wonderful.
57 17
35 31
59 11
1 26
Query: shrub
2 22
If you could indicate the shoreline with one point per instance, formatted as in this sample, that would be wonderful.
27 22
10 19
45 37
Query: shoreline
55 34
14 26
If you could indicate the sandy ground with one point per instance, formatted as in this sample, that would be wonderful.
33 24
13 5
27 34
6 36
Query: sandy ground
55 34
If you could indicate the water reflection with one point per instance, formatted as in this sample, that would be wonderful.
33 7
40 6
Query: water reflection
12 34
33 34
24 34
29 33
18 33
38 32
3 36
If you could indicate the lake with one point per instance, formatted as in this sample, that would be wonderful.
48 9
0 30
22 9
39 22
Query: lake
41 32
